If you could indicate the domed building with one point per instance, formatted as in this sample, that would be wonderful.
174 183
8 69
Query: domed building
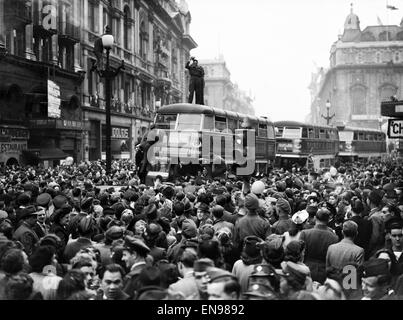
366 68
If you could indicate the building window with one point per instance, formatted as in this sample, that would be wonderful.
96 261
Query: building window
116 30
15 42
93 17
127 28
358 95
106 19
143 40
386 92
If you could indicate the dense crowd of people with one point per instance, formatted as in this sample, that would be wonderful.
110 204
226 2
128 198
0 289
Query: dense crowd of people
74 232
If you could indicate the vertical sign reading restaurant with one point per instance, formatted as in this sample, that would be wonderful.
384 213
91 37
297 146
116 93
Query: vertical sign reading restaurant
53 100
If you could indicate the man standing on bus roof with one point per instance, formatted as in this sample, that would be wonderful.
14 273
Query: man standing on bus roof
196 81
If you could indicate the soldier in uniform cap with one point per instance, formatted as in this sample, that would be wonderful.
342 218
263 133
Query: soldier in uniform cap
222 285
266 275
259 292
376 279
293 279
135 253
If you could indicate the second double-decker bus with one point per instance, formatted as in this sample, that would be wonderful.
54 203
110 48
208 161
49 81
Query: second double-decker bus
192 137
361 144
306 145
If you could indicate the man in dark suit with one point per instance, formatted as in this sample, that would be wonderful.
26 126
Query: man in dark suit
196 84
364 226
317 241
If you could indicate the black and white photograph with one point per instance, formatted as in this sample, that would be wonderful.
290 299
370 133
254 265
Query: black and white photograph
200 150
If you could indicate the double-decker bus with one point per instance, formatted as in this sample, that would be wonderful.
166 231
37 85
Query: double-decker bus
306 145
361 144
192 137
13 141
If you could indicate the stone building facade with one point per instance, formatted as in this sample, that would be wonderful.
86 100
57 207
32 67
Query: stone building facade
43 40
366 68
220 91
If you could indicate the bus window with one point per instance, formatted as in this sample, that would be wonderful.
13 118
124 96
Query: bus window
165 121
304 133
322 134
220 123
279 132
316 133
361 136
232 124
270 130
262 130
346 135
311 133
355 136
189 121
327 134
208 123
292 133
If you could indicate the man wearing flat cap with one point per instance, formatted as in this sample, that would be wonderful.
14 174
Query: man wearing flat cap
317 241
25 233
252 224
135 252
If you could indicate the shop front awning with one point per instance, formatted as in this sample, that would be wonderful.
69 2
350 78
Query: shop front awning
52 154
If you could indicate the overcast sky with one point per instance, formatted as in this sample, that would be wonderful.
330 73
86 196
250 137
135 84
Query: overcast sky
271 47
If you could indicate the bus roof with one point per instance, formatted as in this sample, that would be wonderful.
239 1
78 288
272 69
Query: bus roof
300 124
202 109
349 128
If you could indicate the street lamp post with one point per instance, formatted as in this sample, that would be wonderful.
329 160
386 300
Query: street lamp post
328 117
108 73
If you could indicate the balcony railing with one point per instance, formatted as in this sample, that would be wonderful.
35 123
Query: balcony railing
119 106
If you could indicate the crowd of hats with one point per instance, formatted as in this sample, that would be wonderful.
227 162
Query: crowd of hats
114 205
